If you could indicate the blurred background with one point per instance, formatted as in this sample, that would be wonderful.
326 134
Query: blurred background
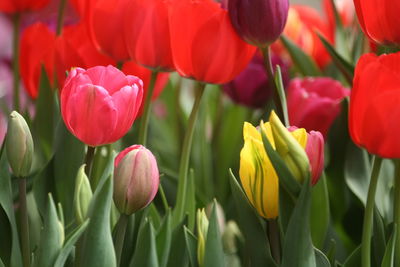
314 3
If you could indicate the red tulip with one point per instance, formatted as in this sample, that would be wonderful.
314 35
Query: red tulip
314 103
315 153
99 105
36 50
302 25
74 48
204 44
132 68
147 34
15 6
374 105
106 25
379 20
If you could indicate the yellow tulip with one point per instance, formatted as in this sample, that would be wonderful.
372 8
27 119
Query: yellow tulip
258 177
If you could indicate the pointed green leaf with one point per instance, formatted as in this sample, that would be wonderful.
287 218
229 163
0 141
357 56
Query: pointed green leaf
163 239
214 255
146 252
388 258
252 228
320 259
320 213
378 237
51 237
70 243
191 246
303 62
178 256
282 95
297 247
354 259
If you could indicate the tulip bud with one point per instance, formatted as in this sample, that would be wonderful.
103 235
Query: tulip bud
231 233
259 22
19 145
315 153
83 195
136 179
291 148
202 229
220 214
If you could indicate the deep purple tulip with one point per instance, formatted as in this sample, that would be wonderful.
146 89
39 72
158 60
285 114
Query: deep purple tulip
259 22
251 87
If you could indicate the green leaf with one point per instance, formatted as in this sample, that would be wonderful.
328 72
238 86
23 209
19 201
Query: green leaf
97 245
320 215
6 202
163 239
320 259
303 62
281 92
378 237
388 258
190 203
146 252
178 256
69 244
214 255
285 175
154 215
354 259
297 247
51 237
252 228
191 245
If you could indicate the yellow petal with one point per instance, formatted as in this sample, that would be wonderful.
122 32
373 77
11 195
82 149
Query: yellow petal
301 136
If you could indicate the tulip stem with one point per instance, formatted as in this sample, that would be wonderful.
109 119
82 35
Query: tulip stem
369 212
396 214
185 156
24 225
274 239
271 79
60 18
16 75
89 161
163 197
144 122
120 236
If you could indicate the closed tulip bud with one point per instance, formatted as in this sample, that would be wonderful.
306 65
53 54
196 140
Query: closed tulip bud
259 22
19 145
258 176
291 147
315 153
136 179
229 237
202 229
83 195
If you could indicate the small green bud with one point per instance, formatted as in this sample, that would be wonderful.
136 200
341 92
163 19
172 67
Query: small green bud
202 229
19 145
83 195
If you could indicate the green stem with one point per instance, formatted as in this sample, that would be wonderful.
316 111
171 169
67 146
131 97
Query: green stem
60 18
396 214
274 239
185 156
163 198
24 225
89 161
271 79
369 212
16 76
144 122
120 236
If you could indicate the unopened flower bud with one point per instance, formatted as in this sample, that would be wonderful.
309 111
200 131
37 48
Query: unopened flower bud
83 195
19 145
136 179
202 229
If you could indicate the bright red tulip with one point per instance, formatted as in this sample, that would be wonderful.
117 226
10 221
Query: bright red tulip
314 103
204 44
302 25
379 20
106 25
15 6
74 48
147 34
99 105
131 68
374 105
36 50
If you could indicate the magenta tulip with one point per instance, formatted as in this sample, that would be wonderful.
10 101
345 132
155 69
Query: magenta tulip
314 103
99 105
136 179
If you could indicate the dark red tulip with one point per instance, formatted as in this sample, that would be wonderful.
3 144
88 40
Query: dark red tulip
15 6
204 44
147 34
374 105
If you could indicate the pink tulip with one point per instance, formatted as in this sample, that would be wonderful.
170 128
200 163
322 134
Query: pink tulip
136 179
99 104
314 103
315 153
